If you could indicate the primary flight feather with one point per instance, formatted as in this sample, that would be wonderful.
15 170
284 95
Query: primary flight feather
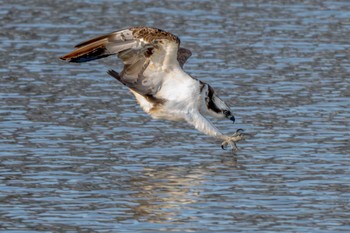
153 61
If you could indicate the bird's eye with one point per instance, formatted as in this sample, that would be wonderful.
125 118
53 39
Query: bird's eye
226 112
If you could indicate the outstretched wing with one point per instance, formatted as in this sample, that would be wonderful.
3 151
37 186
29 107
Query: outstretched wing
133 38
136 47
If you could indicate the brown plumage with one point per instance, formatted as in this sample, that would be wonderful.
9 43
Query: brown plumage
150 34
92 48
98 47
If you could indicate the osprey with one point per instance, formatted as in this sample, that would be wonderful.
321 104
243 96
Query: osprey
153 61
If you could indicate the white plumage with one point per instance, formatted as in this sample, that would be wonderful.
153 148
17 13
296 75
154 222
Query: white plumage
153 61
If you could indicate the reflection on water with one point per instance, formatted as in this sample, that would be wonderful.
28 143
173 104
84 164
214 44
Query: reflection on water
77 153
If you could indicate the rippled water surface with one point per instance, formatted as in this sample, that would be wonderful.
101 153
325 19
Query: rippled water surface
78 155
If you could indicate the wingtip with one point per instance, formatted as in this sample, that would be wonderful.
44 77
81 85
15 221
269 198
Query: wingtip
63 58
114 74
67 57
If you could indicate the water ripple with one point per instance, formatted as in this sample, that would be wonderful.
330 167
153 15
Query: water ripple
77 154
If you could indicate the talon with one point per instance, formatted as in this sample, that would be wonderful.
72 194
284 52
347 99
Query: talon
224 145
231 140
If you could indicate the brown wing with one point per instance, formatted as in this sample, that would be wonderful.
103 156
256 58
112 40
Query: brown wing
134 46
116 42
103 46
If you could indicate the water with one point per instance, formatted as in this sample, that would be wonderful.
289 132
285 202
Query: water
78 155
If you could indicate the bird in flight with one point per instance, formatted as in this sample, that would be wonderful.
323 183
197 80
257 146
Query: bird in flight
153 72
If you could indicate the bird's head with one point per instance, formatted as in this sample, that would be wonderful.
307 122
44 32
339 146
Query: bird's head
215 106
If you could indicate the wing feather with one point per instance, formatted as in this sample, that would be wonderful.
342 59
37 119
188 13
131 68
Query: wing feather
135 47
103 46
183 55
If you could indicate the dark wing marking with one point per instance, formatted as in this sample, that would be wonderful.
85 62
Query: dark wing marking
138 86
183 55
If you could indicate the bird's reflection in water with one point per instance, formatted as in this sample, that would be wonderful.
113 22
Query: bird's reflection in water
165 193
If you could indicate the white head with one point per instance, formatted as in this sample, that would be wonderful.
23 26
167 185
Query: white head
215 106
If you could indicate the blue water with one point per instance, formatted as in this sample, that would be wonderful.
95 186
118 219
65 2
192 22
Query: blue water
77 154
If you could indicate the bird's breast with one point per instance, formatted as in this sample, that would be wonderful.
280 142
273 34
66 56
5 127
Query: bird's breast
176 88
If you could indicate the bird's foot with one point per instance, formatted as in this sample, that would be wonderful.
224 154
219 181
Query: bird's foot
231 140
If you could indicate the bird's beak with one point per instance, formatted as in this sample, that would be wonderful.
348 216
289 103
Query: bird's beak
232 118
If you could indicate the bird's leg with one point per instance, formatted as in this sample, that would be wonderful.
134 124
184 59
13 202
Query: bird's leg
231 140
205 126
